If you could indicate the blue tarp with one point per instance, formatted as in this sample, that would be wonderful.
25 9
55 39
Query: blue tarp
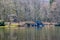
38 24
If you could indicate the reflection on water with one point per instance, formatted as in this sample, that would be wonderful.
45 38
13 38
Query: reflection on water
46 33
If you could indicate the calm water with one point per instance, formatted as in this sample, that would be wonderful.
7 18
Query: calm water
46 33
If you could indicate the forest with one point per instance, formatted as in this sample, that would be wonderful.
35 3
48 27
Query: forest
27 10
29 19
